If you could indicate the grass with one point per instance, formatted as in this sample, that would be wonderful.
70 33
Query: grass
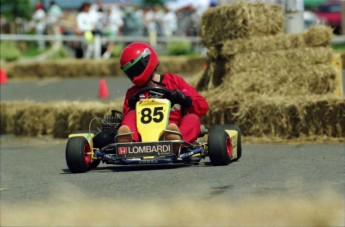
340 48
33 52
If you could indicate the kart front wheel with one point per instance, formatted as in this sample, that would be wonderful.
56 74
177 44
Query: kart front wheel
219 147
78 155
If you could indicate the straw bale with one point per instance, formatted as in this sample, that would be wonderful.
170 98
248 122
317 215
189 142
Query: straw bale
278 59
58 118
86 68
257 115
267 62
297 80
25 118
316 36
283 116
241 19
183 65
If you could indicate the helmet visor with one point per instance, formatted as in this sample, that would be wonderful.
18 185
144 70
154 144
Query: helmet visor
135 68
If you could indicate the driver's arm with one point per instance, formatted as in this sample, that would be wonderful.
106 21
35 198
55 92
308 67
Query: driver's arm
125 106
199 103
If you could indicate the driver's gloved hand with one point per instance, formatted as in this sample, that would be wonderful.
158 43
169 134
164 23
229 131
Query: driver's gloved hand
183 100
131 102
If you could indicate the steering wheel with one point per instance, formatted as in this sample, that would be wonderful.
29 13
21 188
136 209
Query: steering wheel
166 93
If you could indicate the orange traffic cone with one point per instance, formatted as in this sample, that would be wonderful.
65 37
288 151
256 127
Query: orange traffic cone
3 76
103 89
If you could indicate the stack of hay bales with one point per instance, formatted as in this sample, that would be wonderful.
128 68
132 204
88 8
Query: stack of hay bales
267 82
56 118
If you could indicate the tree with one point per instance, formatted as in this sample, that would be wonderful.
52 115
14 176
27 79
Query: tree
152 2
16 8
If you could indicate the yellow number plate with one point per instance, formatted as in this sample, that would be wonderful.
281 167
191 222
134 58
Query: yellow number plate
152 118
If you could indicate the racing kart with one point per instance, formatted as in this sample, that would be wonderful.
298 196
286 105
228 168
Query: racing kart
85 150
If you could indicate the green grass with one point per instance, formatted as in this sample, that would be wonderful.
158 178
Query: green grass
339 48
32 52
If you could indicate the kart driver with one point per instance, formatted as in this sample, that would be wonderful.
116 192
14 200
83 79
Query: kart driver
139 62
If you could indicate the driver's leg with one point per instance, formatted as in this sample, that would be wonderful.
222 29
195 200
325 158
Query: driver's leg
124 129
129 125
190 127
172 136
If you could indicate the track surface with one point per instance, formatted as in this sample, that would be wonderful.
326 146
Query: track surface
35 169
82 89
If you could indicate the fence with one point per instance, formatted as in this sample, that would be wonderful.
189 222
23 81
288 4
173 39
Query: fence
159 42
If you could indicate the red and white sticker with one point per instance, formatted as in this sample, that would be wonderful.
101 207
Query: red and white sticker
122 150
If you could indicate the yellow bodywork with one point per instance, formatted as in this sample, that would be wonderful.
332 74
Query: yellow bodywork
88 136
233 134
152 118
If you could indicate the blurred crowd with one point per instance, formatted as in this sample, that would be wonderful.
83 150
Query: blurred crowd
174 18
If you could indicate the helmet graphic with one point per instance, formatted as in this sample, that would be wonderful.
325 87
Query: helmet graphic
138 61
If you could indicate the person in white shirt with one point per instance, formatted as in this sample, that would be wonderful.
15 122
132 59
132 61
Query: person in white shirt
85 26
54 15
169 22
39 18
112 22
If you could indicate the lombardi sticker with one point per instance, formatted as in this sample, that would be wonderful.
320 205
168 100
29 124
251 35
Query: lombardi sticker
144 149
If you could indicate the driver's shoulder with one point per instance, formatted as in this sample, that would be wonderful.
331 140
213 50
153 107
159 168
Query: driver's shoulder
172 78
132 90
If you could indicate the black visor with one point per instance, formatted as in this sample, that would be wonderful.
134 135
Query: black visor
135 68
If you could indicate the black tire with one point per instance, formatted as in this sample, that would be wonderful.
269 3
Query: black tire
218 147
78 161
239 143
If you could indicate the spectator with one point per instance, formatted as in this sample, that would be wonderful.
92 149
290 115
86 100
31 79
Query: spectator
200 7
96 13
133 22
169 22
184 10
54 15
39 18
151 25
112 24
85 27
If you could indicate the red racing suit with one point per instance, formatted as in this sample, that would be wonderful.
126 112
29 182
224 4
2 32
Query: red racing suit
189 124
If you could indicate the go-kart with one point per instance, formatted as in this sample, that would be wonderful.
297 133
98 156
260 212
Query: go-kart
86 149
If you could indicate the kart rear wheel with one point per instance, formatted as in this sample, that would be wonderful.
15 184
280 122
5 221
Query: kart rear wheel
219 147
78 155
239 144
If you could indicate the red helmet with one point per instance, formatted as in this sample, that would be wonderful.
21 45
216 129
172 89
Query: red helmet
138 61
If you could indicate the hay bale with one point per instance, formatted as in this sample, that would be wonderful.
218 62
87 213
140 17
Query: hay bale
297 80
283 116
86 68
62 69
279 59
58 119
26 118
182 65
259 62
241 19
316 36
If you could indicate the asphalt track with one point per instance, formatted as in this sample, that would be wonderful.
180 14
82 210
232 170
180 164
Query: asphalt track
34 170
34 175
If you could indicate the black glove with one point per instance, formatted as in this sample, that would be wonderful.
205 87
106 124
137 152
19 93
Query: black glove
180 98
132 101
